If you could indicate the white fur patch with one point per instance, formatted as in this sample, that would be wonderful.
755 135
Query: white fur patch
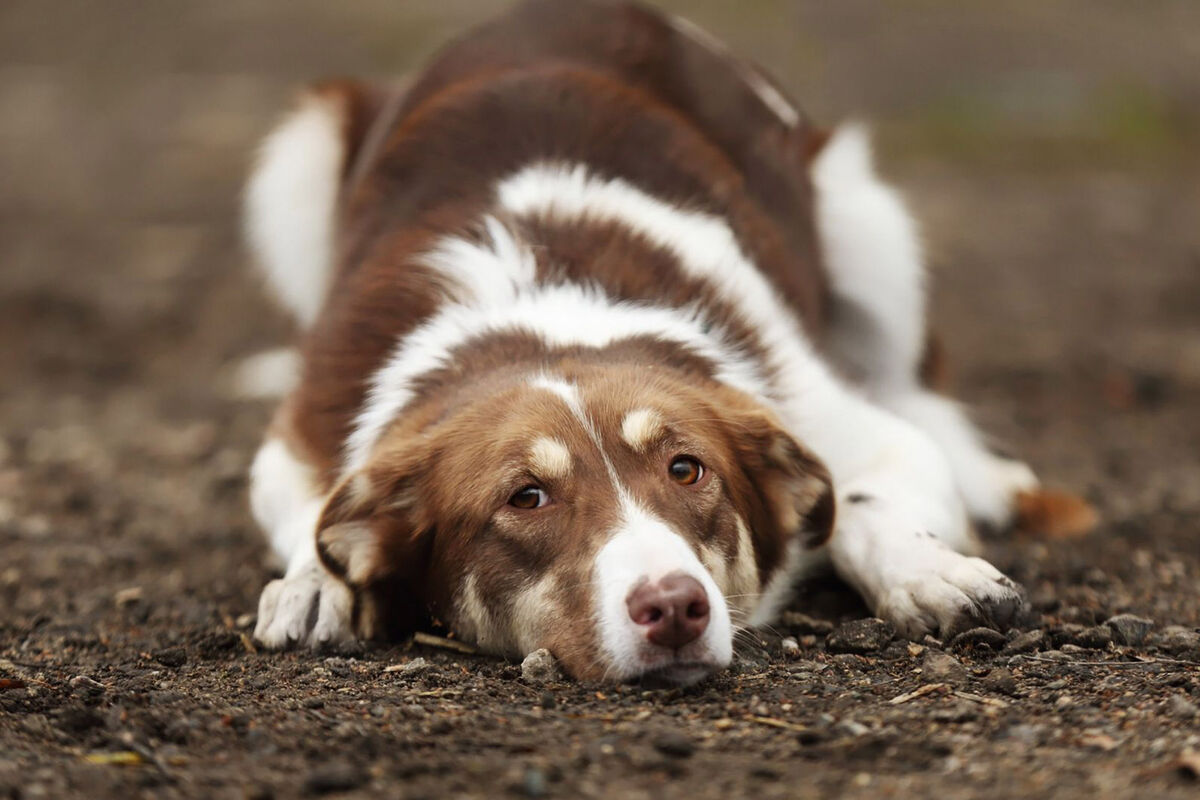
643 547
639 427
518 633
562 316
873 255
269 374
285 500
290 202
484 274
550 458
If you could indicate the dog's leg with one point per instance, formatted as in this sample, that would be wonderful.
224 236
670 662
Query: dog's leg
291 201
878 329
307 605
901 530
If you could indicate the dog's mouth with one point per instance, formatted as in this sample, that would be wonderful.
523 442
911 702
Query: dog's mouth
678 674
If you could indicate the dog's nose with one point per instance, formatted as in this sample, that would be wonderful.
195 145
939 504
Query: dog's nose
672 610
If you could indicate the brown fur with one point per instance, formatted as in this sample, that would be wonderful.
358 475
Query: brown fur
433 501
616 87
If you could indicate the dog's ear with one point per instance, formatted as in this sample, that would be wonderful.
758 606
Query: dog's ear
790 490
372 536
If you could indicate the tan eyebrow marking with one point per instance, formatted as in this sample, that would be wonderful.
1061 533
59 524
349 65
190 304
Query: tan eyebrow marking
640 427
550 458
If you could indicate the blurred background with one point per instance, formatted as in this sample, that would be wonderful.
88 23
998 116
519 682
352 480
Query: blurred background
1049 148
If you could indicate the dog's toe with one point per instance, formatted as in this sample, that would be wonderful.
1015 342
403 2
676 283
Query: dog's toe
334 608
955 593
286 609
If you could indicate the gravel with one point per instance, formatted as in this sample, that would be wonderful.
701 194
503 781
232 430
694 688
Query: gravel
943 668
540 667
1129 630
861 636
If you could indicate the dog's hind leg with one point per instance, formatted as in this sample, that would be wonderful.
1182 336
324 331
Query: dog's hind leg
878 326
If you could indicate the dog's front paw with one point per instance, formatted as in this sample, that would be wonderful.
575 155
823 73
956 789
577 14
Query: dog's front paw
950 593
308 608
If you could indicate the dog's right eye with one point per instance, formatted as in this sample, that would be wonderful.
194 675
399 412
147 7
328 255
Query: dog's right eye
529 497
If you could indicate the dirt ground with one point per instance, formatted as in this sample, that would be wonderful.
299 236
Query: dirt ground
1051 149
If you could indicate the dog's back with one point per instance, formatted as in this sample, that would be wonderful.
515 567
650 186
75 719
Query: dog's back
575 92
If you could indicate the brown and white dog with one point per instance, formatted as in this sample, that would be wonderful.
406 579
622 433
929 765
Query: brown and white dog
603 345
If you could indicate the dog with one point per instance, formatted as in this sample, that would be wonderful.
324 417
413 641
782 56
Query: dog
603 344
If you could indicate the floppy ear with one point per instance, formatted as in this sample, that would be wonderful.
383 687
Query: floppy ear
371 537
792 488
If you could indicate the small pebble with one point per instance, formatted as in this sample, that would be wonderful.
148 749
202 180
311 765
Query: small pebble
1129 630
978 639
171 656
942 668
534 783
861 636
329 778
955 712
415 667
852 727
802 623
790 647
1089 638
1182 708
1001 680
674 744
1027 642
540 667
1178 641
82 684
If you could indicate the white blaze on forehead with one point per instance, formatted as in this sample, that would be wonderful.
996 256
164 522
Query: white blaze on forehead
640 427
570 396
550 458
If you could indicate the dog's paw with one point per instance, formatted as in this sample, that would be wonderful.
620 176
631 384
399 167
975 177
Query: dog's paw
949 593
309 608
991 492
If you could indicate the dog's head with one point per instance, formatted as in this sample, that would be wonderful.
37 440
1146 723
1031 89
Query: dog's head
629 521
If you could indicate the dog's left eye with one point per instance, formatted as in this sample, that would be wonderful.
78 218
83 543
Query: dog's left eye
685 470
529 497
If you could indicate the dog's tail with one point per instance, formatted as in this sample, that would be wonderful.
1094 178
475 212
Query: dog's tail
303 167
291 201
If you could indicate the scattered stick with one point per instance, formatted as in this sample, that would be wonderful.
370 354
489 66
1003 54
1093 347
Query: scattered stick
779 723
978 698
1116 664
928 688
429 640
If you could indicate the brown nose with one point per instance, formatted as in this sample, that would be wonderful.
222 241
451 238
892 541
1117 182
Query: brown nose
672 610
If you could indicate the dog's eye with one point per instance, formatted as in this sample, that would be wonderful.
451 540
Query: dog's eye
685 470
529 497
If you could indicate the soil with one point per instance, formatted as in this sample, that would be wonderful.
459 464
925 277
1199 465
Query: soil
1049 148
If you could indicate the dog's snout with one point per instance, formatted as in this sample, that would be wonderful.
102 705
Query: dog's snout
673 611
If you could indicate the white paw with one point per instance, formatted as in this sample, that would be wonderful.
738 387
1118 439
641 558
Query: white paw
308 608
992 497
944 593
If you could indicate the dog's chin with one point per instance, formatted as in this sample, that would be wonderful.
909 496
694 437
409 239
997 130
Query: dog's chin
677 675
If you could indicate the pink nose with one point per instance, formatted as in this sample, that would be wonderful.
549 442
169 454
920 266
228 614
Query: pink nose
672 610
